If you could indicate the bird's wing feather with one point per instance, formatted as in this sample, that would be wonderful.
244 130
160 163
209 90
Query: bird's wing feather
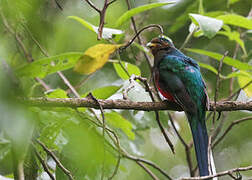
177 75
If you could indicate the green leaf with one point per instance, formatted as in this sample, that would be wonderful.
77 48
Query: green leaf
238 74
209 67
201 8
227 60
128 14
209 26
231 75
57 93
130 68
234 36
43 67
107 32
117 121
232 2
103 92
236 20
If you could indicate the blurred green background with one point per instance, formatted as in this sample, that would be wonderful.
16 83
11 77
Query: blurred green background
70 134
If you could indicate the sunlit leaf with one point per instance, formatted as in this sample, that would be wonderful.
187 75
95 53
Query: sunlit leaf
238 74
103 92
57 93
201 8
243 80
227 60
231 75
209 67
94 58
130 68
117 121
107 32
209 26
43 67
236 20
128 14
232 1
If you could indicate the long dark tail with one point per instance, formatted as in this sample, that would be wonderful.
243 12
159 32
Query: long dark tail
200 139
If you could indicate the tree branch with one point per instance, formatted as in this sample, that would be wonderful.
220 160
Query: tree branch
44 164
56 160
125 104
227 172
230 127
102 13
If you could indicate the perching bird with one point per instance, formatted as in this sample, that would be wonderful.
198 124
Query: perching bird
178 79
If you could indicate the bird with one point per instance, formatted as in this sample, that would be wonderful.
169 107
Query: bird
178 79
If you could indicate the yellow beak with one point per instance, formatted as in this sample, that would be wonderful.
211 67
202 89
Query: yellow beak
150 45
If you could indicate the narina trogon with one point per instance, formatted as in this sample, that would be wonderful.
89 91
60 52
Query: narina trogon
178 79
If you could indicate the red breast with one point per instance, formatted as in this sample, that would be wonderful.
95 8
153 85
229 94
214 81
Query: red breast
164 92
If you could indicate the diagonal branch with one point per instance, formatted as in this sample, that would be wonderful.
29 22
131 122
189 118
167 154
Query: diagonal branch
230 127
56 160
44 164
147 87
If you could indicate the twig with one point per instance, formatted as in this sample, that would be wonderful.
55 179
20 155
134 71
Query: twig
116 168
218 85
233 69
93 6
66 81
57 161
238 91
44 164
61 75
102 13
138 37
124 154
21 44
187 149
148 170
227 172
81 83
230 127
131 85
17 36
188 37
147 87
149 163
140 31
125 104
217 130
120 63
57 4
103 130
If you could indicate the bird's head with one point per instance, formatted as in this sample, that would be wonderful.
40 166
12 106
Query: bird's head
160 43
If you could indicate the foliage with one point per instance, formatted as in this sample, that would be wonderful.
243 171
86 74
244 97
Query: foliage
77 135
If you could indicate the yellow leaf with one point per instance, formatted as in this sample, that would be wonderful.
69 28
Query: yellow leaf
94 58
243 80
